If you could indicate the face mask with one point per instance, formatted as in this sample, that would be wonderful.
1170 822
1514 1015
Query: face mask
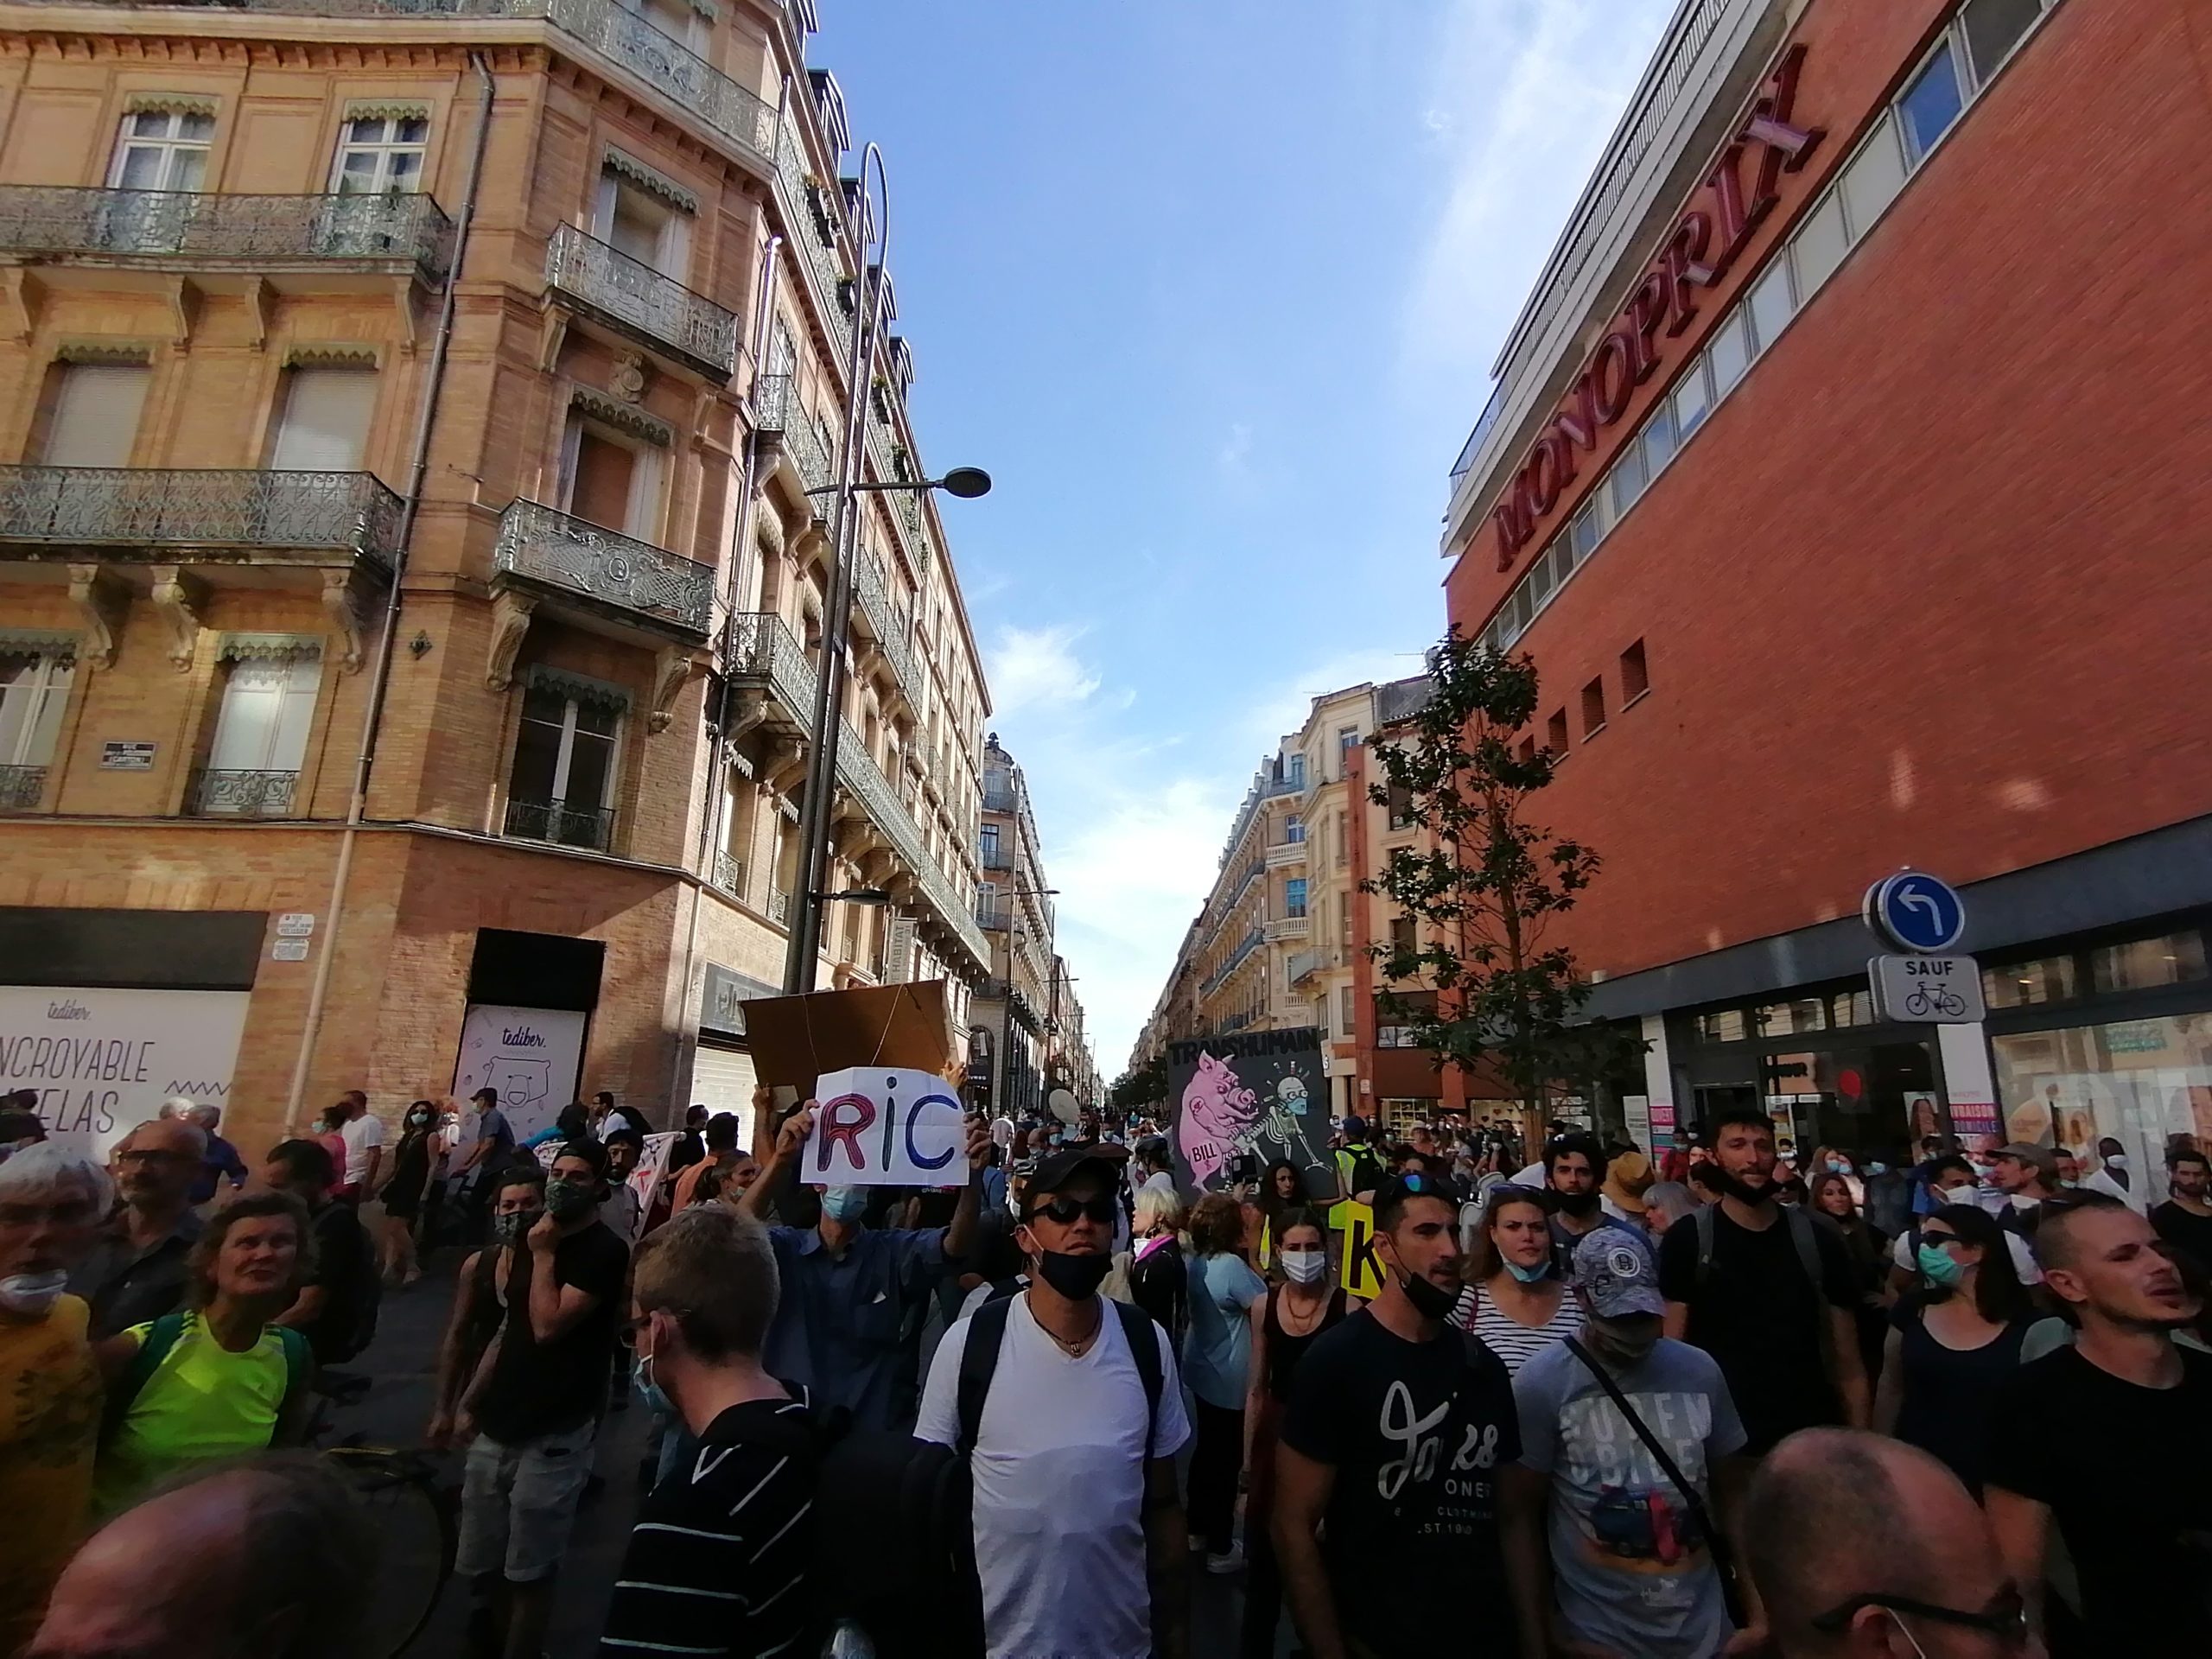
419 1120
1431 1300
566 1201
1937 1267
1878 1169
1076 1277
1578 1204
1623 1346
32 1293
1304 1267
1837 1167
845 1203
1529 1275
656 1398
510 1228
2118 1161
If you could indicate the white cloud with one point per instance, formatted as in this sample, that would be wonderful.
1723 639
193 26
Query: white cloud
1235 449
1031 668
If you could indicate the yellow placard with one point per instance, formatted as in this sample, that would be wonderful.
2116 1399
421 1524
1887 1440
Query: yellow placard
1359 1271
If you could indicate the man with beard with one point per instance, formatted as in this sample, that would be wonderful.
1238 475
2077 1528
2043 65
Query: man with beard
1575 1169
1768 1291
2130 1501
1387 1470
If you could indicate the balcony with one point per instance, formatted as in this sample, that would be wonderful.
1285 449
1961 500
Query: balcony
776 415
224 793
883 620
998 797
1285 853
1238 958
183 229
592 828
1302 966
993 916
729 874
858 776
629 580
779 906
21 788
204 509
997 858
763 654
1286 927
631 296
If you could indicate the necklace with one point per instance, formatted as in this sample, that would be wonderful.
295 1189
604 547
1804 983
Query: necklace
1073 1349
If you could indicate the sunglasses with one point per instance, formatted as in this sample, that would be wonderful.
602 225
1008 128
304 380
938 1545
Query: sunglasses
2006 1619
1065 1211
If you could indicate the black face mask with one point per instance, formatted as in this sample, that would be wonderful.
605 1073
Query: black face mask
1714 1178
1430 1299
1076 1277
1577 1204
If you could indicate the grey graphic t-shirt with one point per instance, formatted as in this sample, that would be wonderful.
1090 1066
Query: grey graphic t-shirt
1631 1569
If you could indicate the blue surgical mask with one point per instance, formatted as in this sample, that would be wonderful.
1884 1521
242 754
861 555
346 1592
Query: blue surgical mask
1529 1275
642 1374
845 1203
1938 1268
1878 1169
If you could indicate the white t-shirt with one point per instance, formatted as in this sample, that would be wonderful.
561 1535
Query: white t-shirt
2100 1181
1058 1468
620 1214
359 1134
2023 1259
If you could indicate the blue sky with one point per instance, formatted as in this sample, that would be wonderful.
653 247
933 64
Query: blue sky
1212 289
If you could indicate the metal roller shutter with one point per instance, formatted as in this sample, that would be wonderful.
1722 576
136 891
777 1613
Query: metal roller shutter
723 1081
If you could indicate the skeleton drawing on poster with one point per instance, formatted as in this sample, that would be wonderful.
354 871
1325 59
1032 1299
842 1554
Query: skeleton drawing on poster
1242 1102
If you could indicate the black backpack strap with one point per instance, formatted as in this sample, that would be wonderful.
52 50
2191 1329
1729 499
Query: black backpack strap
979 1364
1707 1229
1137 1327
1724 1560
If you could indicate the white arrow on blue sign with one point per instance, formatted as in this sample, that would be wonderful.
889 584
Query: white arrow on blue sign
1916 910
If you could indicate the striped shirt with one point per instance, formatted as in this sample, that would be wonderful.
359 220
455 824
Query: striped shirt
716 1564
1511 1340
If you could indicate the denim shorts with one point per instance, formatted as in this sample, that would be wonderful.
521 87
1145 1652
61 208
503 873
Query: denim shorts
517 1504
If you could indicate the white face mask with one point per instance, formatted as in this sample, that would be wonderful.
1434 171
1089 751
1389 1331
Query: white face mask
32 1293
1305 1266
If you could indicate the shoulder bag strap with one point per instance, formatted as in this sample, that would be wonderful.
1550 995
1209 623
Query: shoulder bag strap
1708 1230
1137 1328
1716 1541
979 1363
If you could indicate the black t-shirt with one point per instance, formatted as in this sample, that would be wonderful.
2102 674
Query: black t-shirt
537 1389
2189 1234
2110 1458
1760 1318
343 1263
1416 1433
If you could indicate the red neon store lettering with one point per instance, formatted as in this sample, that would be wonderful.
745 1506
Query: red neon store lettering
1699 252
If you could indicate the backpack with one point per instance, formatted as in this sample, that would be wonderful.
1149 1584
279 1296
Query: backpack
1361 1170
1802 1235
979 1364
159 1339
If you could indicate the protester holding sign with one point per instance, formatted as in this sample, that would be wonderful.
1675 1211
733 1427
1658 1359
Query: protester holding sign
848 1288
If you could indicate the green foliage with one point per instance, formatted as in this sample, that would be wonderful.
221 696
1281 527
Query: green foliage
1487 886
1145 1085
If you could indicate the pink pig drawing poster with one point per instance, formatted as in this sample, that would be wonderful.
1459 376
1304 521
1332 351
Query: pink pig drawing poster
1244 1101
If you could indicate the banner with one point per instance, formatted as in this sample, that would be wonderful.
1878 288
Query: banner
880 1126
102 1061
1252 1099
1359 1271
1636 1111
646 1178
532 1055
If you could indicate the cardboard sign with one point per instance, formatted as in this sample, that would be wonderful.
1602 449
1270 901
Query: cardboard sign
1257 1094
795 1039
880 1126
1361 1271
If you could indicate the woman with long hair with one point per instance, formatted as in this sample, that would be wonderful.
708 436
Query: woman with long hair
404 1190
1956 1340
1512 1300
1282 1190
1217 1364
1833 1196
1285 1323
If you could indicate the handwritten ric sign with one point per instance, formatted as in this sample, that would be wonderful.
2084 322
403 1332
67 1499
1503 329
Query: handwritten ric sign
880 1126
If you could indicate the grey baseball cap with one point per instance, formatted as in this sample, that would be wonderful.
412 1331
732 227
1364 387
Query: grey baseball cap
1614 1273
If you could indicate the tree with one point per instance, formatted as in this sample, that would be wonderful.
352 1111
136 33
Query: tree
1487 884
1143 1085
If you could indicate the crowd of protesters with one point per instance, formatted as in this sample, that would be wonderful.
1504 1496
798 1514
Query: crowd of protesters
1590 1404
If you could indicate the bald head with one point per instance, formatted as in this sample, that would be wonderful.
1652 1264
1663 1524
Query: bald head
262 1561
1835 1513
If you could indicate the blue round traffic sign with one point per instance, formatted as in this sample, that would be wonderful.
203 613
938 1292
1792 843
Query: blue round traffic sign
1916 910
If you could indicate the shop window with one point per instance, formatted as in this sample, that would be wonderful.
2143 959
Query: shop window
1555 732
2139 1081
1635 677
1870 183
1722 1026
162 149
1993 28
380 156
34 680
324 428
1848 1008
2025 984
1771 305
1933 100
94 417
1793 1018
1593 708
562 787
2144 964
1819 244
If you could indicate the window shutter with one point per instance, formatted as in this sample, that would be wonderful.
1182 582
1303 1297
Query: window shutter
96 417
326 426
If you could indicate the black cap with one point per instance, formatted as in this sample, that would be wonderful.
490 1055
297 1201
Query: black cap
1058 1168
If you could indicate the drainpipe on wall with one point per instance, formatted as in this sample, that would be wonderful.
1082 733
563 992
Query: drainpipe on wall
380 676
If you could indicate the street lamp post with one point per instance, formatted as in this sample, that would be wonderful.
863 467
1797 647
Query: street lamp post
870 288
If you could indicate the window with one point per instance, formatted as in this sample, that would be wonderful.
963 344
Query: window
1993 28
1293 896
647 228
1771 305
1543 577
1723 1026
1628 479
674 18
1635 677
1344 846
1729 351
1870 183
1402 807
1933 101
990 835
1555 732
33 690
1401 935
1593 707
96 406
563 783
610 479
1293 829
261 731
325 423
1527 752
1792 1018
2025 984
1820 244
1347 740
1660 442
162 149
1295 776
1848 1009
1693 401
1346 1010
380 154
2174 959
1582 536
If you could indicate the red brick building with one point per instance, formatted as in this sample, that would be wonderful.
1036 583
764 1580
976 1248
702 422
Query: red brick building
1861 382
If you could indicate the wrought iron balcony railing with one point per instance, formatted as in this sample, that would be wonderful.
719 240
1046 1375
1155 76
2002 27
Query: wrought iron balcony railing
883 620
997 859
998 797
813 456
779 906
857 772
762 650
730 873
198 507
221 793
816 214
772 403
993 916
21 788
186 227
1236 959
648 582
641 301
561 823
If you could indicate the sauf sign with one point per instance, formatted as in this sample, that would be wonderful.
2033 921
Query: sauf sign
1735 198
